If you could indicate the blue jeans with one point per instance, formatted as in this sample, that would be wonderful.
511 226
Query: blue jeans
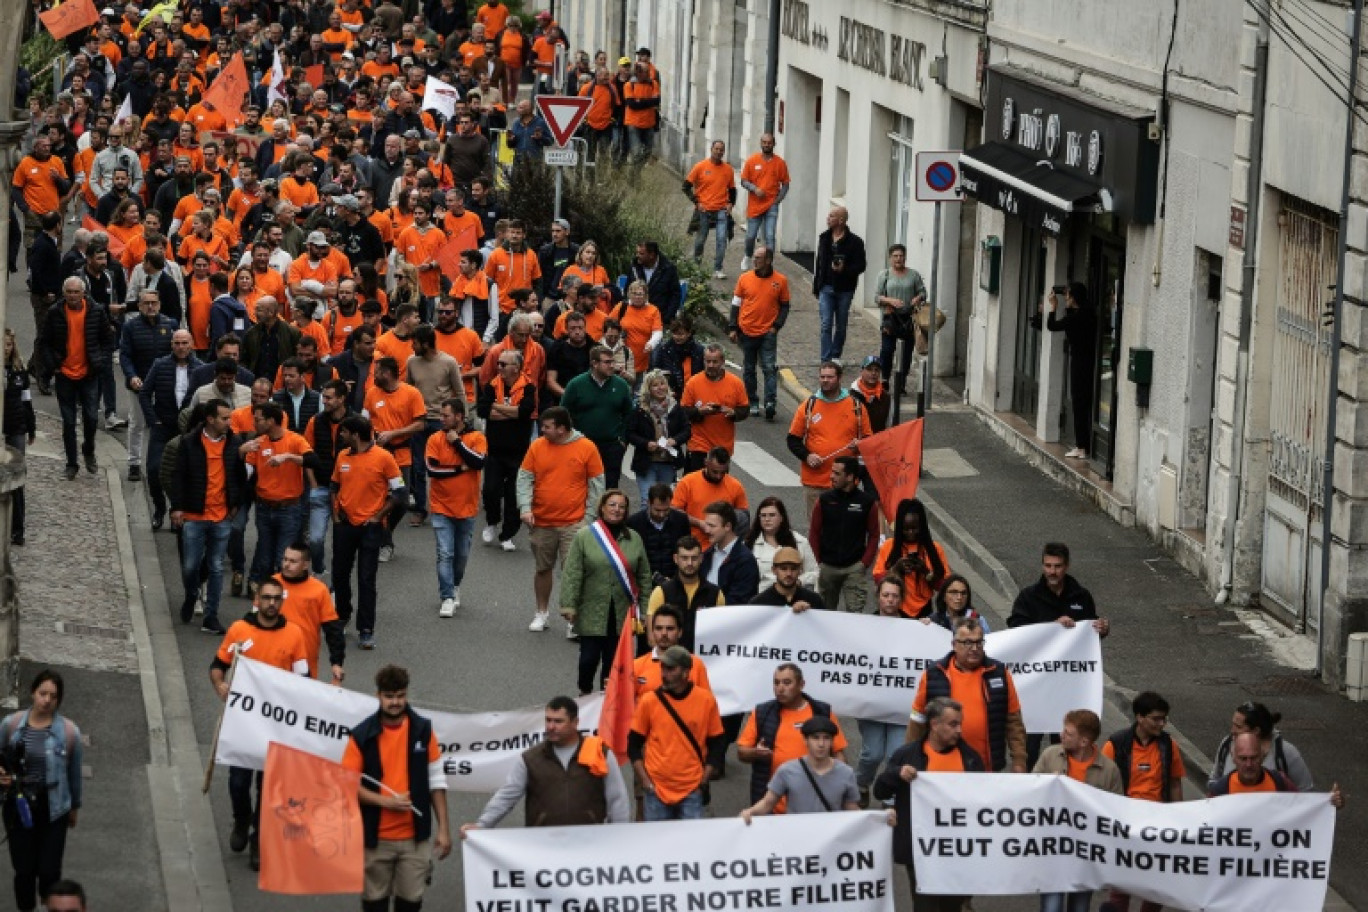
453 551
77 395
1065 902
655 473
277 525
763 225
835 309
761 348
245 810
878 740
320 514
157 436
418 471
201 539
640 142
691 808
717 221
237 543
108 390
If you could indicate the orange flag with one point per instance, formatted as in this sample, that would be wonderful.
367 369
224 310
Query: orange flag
893 460
311 836
314 75
619 696
116 246
71 16
228 89
449 254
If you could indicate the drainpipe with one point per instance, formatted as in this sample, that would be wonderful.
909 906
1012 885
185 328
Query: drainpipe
1332 406
772 66
1249 266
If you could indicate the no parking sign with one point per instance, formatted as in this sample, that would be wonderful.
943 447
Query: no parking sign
938 177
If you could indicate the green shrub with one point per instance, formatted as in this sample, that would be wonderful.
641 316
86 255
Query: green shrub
35 55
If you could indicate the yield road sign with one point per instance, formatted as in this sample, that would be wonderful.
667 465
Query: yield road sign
938 177
563 114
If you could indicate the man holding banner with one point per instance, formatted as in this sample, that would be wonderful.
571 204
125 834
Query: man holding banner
568 779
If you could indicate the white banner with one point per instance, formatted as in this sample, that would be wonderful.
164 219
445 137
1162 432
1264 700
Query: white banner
267 704
441 97
868 667
840 861
1001 834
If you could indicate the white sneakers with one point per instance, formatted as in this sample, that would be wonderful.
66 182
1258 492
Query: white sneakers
745 264
448 608
386 553
456 596
539 621
570 632
508 545
489 535
720 274
1076 453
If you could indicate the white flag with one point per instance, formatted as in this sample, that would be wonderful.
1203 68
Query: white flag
440 97
277 81
125 111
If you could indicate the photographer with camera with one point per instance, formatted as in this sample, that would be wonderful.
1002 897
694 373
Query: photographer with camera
40 780
912 556
1078 323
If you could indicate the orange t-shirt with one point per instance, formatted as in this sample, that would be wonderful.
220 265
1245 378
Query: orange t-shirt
394 754
761 300
302 270
301 195
712 183
74 365
375 70
694 492
670 759
561 473
714 430
647 670
199 302
966 687
82 165
638 325
392 411
338 326
602 100
205 119
534 361
281 646
1266 784
595 275
194 153
829 430
593 325
768 176
917 593
240 201
389 345
493 18
364 481
465 346
453 225
459 495
1078 769
1147 781
789 743
308 605
338 36
38 182
314 330
511 271
216 491
268 282
952 761
285 481
185 207
193 243
419 248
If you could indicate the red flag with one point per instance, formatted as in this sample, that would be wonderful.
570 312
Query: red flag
71 16
314 75
449 254
893 460
227 91
311 836
619 696
116 246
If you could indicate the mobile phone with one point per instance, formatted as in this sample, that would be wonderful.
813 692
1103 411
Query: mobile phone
1059 289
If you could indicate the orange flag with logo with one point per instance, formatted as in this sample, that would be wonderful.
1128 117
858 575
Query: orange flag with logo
71 16
619 695
311 836
893 459
314 75
116 246
449 254
228 89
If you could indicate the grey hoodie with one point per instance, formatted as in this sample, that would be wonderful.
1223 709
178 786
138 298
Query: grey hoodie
526 479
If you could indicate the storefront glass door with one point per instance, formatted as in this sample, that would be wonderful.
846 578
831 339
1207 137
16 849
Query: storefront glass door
902 180
1030 292
1107 281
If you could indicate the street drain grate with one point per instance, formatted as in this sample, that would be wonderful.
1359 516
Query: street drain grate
1286 686
107 633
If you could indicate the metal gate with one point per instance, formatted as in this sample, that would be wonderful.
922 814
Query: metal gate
1308 239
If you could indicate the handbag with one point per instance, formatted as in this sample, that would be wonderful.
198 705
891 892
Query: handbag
921 325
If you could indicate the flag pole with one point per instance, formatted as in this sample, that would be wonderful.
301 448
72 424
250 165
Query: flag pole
218 727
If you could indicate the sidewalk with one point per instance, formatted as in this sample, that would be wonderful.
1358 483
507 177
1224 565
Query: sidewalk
84 612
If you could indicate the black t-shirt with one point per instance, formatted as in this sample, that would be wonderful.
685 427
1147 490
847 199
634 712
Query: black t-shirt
772 596
568 361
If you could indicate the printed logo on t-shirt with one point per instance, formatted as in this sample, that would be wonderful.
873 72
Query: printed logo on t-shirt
1143 767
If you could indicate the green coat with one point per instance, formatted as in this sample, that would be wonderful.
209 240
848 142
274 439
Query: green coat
588 583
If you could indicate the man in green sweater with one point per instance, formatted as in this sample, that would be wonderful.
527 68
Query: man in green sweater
599 403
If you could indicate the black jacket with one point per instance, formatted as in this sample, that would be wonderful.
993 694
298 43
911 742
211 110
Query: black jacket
660 543
662 289
739 575
641 430
1036 604
52 340
256 356
308 407
45 266
20 420
672 358
852 248
141 343
158 399
890 785
347 369
553 262
191 481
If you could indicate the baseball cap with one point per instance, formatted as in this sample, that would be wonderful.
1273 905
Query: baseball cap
624 61
544 15
819 725
270 183
871 361
643 50
347 201
412 134
108 11
676 657
788 556
561 223
330 189
317 239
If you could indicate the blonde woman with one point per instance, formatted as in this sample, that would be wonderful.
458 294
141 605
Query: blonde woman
586 267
